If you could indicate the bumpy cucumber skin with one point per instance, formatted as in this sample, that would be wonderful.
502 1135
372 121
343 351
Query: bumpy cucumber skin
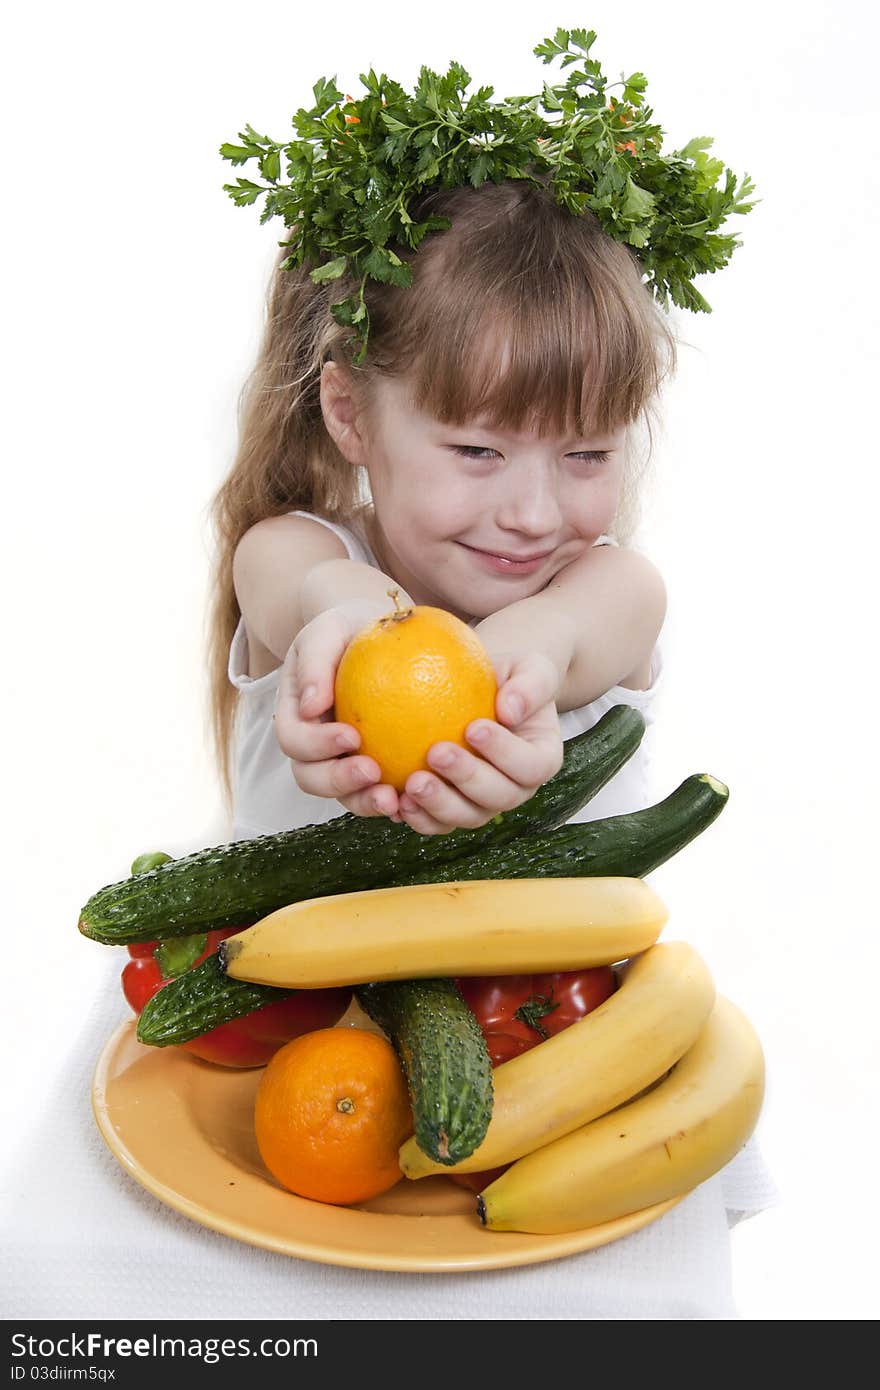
630 845
236 884
197 1001
444 1058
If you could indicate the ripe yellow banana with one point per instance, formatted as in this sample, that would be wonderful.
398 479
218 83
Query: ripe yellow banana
598 1063
476 927
660 1145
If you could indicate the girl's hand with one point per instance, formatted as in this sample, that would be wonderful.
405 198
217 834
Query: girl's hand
322 752
512 756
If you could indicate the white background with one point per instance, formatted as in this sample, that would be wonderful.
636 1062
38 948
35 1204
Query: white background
132 306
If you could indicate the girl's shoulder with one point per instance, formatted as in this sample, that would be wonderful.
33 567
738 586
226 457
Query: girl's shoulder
321 537
270 563
352 533
269 567
277 540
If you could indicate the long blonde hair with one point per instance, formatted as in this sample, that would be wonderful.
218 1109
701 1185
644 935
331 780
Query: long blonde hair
585 347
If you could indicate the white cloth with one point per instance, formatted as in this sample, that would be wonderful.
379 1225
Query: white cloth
268 799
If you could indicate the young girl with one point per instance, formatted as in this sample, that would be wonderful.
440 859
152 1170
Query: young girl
481 455
483 459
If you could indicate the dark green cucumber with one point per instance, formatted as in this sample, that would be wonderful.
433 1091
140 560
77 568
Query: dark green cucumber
236 884
630 845
444 1058
199 1000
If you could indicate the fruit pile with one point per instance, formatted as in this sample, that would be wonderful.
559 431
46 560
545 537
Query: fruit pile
638 1102
637 1097
645 1096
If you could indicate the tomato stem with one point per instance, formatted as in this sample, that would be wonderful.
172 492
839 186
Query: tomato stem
533 1010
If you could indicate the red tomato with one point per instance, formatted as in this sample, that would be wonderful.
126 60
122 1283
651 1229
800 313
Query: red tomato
243 1042
477 1182
516 1012
140 949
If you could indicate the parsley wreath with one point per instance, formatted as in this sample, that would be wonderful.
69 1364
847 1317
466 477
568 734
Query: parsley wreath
355 168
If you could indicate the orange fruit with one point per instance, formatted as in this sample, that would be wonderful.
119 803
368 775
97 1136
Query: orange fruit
415 677
331 1112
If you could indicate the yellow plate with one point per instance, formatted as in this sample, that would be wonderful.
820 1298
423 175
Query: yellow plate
183 1129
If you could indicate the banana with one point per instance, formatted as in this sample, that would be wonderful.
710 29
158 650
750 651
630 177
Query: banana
598 1063
475 927
659 1146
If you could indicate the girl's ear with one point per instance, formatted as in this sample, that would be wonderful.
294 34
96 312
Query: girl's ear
343 413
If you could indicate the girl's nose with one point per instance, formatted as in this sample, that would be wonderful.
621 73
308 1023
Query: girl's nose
530 503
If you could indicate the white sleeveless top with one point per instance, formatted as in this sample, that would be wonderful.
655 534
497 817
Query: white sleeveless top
266 797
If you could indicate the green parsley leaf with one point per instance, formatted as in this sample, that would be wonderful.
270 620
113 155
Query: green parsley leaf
330 270
637 203
355 165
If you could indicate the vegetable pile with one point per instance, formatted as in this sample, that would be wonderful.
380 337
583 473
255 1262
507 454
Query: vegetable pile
557 1057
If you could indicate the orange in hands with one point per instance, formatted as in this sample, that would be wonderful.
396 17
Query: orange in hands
331 1112
414 678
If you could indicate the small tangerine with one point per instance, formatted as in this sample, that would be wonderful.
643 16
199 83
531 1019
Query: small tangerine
331 1112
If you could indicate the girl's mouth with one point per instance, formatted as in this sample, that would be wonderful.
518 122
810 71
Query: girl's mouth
499 563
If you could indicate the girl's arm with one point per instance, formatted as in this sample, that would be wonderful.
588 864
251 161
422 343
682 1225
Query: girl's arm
597 622
593 627
297 589
318 615
562 648
287 570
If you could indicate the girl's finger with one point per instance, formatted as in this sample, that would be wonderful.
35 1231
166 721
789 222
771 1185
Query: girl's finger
380 800
299 706
308 672
443 803
420 819
287 696
526 762
298 694
336 777
530 683
314 740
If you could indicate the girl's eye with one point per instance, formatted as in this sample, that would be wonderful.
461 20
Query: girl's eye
594 455
471 451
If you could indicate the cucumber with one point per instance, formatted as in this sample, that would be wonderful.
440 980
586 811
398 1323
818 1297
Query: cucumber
201 999
444 1058
238 883
631 845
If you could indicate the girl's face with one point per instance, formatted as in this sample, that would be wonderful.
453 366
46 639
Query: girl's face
472 518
